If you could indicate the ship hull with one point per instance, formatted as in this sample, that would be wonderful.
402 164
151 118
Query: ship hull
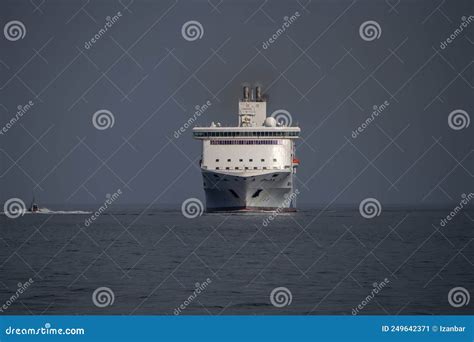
267 191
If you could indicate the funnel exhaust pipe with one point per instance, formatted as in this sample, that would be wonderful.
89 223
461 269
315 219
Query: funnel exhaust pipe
258 94
246 93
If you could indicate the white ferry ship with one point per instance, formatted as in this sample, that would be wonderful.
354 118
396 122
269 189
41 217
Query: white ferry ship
251 166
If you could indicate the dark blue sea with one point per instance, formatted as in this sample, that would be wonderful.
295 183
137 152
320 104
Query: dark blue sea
309 262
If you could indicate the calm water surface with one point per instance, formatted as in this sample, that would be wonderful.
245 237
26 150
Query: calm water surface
153 261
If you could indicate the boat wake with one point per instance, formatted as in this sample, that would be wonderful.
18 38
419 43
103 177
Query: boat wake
54 212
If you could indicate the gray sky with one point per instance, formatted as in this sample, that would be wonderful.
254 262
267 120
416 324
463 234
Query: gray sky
320 69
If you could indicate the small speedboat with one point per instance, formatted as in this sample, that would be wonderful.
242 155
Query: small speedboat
33 206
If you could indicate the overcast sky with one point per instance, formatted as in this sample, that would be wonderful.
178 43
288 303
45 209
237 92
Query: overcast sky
325 70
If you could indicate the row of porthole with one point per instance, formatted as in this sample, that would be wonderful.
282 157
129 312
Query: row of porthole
253 179
247 168
237 179
250 160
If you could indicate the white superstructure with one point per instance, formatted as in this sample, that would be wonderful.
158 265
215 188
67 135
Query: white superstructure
251 166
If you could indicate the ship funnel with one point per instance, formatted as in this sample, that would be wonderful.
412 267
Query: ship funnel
246 93
258 94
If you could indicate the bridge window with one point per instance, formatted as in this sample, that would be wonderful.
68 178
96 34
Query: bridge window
247 134
246 142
